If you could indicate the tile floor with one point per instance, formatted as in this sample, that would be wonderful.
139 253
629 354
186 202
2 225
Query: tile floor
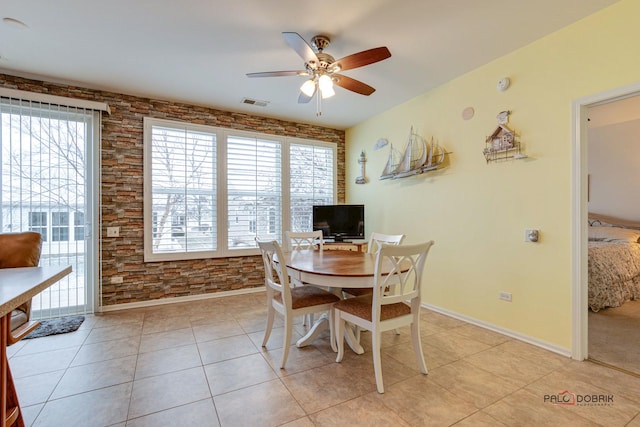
201 364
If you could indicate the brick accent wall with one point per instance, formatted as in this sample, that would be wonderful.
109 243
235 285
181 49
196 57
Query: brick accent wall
122 197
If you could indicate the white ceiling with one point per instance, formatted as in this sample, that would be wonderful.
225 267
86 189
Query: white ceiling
199 51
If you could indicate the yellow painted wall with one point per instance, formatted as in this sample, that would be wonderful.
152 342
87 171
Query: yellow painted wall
477 212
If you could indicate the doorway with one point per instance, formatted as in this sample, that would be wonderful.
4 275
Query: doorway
47 182
613 319
580 311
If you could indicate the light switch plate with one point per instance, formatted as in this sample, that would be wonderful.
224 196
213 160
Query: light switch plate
531 235
113 231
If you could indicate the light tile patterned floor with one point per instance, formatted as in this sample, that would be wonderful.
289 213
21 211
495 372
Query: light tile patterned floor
201 364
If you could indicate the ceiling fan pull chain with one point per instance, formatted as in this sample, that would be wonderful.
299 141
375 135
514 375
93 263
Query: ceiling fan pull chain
318 104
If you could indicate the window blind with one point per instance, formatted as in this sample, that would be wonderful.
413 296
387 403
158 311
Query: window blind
183 187
311 182
47 163
254 196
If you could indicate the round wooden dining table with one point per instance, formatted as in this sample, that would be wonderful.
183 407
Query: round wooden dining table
342 269
334 270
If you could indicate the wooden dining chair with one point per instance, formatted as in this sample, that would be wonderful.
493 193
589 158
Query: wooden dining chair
302 240
20 250
376 241
386 308
299 240
290 301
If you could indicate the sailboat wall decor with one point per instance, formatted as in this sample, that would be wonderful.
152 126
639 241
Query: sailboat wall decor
419 156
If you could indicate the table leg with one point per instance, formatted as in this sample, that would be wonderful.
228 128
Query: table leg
352 341
10 414
322 324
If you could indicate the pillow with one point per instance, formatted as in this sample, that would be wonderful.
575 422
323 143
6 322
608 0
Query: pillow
612 234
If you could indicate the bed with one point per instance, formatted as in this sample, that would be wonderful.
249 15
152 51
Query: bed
614 261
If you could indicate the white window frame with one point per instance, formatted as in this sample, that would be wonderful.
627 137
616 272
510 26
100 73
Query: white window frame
222 216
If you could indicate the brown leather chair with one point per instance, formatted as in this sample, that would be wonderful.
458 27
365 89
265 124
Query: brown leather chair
20 250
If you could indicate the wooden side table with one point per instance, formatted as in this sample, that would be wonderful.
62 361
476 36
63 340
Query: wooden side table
353 245
17 286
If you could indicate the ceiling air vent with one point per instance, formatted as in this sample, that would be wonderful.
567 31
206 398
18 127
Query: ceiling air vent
254 102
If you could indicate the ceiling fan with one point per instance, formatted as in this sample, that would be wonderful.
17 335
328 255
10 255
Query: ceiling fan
323 69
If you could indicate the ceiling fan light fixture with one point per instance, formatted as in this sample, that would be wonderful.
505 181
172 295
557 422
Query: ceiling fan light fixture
327 92
308 88
325 83
322 68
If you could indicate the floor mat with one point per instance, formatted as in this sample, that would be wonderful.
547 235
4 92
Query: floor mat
62 325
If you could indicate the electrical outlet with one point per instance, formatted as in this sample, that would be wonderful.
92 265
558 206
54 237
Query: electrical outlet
113 231
505 296
116 280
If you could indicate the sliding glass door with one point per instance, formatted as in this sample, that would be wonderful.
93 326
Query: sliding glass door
48 158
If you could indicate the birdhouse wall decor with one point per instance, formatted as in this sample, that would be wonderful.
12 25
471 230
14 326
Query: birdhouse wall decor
503 142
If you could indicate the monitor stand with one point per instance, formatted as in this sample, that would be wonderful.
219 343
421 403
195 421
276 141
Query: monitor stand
339 238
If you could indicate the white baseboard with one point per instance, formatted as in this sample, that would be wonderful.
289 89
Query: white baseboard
164 301
521 337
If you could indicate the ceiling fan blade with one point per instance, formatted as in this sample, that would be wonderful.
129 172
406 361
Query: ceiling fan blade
278 74
363 58
303 49
352 84
304 99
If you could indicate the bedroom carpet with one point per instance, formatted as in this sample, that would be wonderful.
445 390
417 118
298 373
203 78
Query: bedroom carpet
614 336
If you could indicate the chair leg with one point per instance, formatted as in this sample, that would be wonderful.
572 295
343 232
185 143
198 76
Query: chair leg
270 317
287 340
338 325
417 346
376 337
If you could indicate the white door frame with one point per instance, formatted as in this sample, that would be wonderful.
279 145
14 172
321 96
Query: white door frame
93 150
93 185
579 212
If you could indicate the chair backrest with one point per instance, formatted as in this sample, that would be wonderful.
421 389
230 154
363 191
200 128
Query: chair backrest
20 249
378 239
403 281
274 278
295 241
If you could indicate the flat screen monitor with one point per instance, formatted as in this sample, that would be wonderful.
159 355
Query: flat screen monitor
339 222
